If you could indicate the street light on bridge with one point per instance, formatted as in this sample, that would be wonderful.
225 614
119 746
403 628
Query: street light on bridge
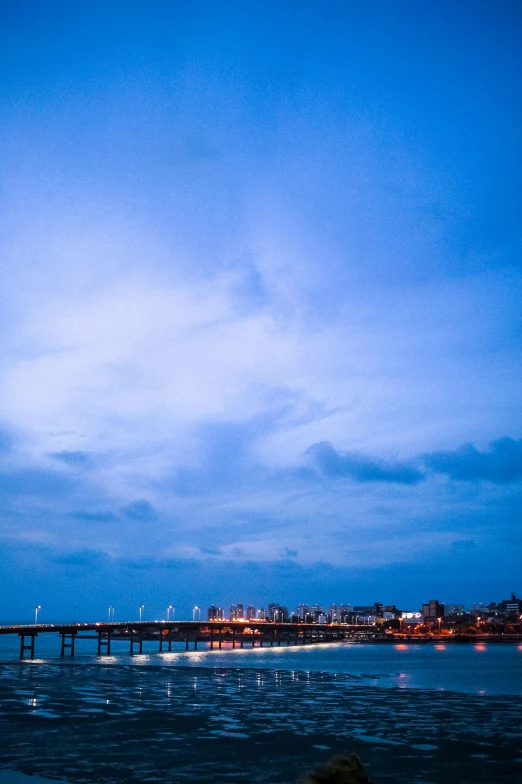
170 609
196 608
111 613
38 607
142 607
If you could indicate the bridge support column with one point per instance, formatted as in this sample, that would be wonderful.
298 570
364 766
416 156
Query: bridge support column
220 638
24 647
67 642
104 641
187 640
138 642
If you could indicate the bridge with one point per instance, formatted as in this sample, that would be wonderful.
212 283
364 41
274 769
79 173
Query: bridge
164 633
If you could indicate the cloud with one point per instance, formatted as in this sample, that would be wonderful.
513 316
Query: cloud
80 558
151 563
73 459
334 464
34 481
502 464
206 550
464 545
140 510
94 517
5 442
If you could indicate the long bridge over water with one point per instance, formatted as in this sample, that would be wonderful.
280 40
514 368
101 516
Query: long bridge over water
164 633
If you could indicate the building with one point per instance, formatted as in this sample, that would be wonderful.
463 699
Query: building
510 608
432 610
339 613
455 609
250 613
214 613
277 613
261 614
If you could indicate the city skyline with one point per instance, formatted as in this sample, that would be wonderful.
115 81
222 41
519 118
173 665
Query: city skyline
259 303
311 612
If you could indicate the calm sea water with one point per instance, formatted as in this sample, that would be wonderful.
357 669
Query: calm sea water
417 713
472 669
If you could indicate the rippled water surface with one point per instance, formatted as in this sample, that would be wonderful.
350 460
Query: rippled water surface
266 715
474 669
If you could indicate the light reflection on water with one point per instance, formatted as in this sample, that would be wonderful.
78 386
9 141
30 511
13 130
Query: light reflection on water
470 668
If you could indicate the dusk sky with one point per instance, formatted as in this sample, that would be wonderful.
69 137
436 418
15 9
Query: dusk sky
260 303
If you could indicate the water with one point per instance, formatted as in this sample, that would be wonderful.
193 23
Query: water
415 713
472 669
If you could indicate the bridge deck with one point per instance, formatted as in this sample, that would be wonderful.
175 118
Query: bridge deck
250 633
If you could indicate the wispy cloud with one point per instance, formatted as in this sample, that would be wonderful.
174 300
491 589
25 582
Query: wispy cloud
140 510
73 459
501 464
332 463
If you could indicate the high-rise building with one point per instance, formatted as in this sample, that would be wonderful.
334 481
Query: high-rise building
277 613
432 610
455 609
339 613
214 613
261 614
250 613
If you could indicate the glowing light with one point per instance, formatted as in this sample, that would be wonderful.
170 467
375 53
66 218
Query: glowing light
401 647
480 646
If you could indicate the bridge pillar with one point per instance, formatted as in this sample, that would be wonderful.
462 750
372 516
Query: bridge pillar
104 641
70 644
186 640
24 647
220 637
138 642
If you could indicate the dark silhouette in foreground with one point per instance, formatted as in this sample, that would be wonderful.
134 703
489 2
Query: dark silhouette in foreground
339 770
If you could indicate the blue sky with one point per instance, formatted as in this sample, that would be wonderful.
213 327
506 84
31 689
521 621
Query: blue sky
260 304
